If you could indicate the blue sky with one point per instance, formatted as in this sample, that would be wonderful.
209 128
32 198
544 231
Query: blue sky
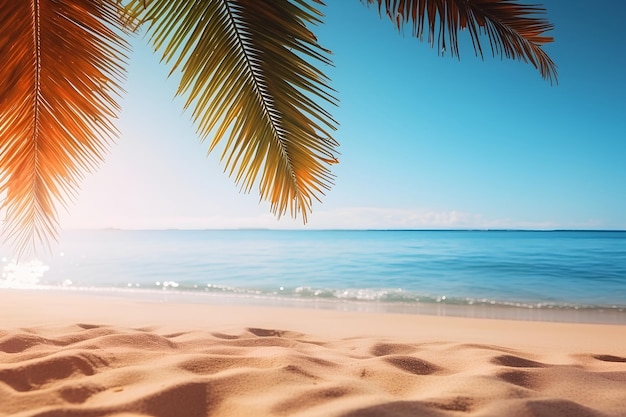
426 141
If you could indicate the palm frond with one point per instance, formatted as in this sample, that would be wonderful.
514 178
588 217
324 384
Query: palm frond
62 62
514 30
247 72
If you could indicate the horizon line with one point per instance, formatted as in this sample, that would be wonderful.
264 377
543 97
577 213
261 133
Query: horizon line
467 229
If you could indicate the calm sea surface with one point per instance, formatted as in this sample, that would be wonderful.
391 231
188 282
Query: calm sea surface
555 270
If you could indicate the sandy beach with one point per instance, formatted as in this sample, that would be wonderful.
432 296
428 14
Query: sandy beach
67 354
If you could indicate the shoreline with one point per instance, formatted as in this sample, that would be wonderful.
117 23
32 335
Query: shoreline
33 308
612 315
92 355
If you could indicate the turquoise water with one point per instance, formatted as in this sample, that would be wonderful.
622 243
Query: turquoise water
526 269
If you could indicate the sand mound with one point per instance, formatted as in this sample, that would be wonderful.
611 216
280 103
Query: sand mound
90 370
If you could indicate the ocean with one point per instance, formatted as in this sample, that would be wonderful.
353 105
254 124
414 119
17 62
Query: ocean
536 275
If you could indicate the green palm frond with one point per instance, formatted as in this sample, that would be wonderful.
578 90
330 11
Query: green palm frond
248 73
61 66
514 30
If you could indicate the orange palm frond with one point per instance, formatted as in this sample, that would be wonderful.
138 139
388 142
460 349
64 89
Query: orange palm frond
62 62
248 74
514 30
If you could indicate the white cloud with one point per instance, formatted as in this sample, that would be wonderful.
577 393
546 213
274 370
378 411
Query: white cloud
389 218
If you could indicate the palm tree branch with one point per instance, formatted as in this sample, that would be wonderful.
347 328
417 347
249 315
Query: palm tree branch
247 73
514 30
62 63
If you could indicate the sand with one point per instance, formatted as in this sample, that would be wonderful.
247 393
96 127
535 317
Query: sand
65 354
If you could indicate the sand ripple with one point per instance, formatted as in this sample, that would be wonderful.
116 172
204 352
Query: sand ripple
89 370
